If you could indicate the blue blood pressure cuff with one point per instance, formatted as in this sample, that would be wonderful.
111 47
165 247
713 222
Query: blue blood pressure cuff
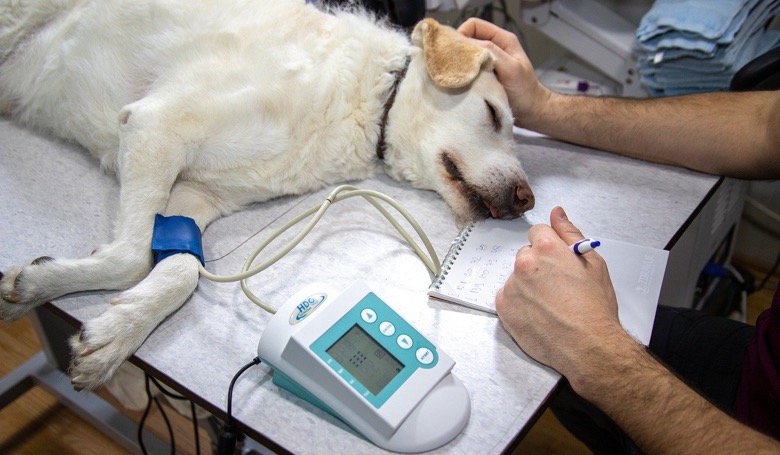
174 235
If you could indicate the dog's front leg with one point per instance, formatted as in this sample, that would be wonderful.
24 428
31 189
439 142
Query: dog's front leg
108 340
152 153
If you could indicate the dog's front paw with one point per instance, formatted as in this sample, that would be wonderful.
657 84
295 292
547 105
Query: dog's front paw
18 293
105 342
108 340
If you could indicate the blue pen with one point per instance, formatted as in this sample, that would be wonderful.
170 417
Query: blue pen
584 245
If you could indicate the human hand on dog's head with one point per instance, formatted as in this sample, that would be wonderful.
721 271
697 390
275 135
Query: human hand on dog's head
559 307
512 67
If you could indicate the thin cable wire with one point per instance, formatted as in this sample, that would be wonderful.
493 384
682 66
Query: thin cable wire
176 396
291 208
342 192
167 425
255 361
229 434
195 429
142 422
140 433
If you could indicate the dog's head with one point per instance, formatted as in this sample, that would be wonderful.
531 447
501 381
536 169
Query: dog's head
450 128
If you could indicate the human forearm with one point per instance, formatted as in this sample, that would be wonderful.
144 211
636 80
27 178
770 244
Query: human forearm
646 401
562 311
735 134
718 133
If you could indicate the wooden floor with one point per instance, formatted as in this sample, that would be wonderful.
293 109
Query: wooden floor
37 424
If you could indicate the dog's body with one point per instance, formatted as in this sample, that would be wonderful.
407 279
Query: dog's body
203 107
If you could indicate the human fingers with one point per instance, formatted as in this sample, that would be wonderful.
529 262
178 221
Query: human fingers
483 30
565 229
509 69
535 304
554 304
509 55
545 240
513 68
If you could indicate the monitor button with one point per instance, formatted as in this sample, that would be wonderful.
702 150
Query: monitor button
404 341
387 328
368 315
424 356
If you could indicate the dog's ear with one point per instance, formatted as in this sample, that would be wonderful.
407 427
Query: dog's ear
453 61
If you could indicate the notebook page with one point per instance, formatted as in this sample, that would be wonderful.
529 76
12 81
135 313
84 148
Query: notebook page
485 258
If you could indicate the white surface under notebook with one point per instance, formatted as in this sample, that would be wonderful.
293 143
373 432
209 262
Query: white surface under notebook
482 257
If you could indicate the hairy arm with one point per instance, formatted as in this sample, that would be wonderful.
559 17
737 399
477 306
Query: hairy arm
724 133
562 310
735 134
660 412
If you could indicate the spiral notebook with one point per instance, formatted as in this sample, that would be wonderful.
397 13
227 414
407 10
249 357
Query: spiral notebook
482 257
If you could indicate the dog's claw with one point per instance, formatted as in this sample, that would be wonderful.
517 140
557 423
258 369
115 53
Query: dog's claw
84 352
18 292
12 297
42 260
14 303
78 382
17 280
22 289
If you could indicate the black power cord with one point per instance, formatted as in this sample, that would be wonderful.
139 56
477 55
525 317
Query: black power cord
193 413
151 399
229 434
142 422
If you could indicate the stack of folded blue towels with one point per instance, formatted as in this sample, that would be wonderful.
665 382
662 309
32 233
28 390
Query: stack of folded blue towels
689 46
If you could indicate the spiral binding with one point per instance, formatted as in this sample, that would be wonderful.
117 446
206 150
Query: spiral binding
452 255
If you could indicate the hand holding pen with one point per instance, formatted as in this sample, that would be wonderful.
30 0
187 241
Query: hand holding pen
557 303
584 245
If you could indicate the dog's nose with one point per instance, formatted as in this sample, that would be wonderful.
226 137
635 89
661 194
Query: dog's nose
525 198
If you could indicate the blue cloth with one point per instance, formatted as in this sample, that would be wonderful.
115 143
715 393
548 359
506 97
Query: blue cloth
174 235
677 41
708 19
735 56
689 46
682 76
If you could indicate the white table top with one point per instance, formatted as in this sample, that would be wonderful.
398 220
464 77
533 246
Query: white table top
55 201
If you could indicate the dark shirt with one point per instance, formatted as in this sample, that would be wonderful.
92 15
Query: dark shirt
758 396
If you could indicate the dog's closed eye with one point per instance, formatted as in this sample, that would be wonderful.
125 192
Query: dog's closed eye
493 116
451 167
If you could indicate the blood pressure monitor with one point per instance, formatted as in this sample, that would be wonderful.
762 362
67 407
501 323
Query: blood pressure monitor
352 355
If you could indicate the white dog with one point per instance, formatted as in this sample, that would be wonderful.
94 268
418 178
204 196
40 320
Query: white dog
202 107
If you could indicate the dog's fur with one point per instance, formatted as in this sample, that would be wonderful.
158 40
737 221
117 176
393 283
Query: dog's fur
202 107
